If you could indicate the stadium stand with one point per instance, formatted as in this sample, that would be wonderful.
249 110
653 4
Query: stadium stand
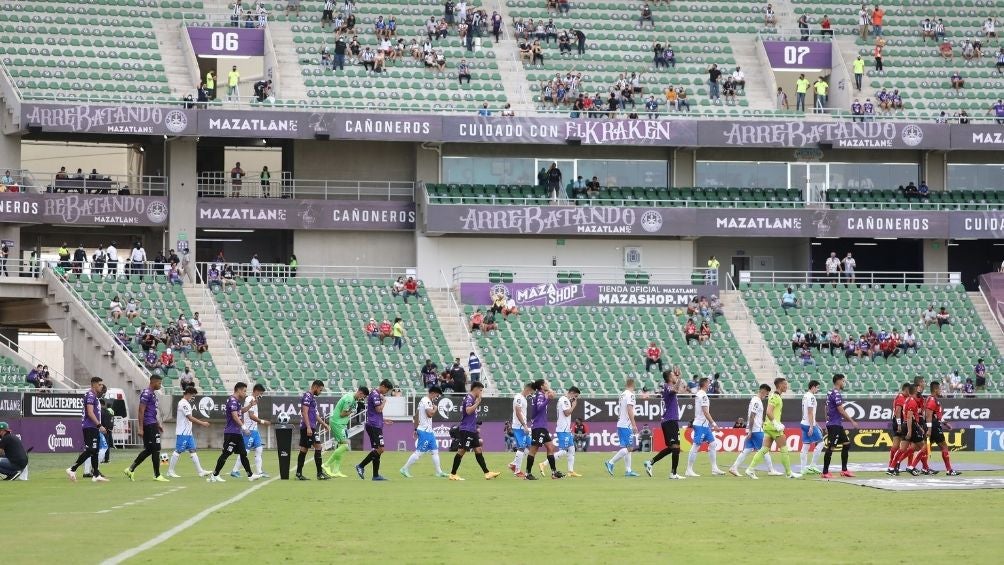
853 309
12 375
312 328
895 199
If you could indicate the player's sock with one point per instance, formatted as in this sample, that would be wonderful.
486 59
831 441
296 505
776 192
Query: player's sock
758 457
456 463
560 453
415 456
893 457
843 457
300 460
174 460
948 460
529 464
237 466
337 457
197 463
924 460
785 459
257 459
155 459
676 459
713 453
517 461
571 458
246 464
317 462
816 452
803 456
480 458
376 465
102 453
551 463
914 458
627 462
826 461
665 451
366 460
223 461
769 461
619 455
692 456
435 461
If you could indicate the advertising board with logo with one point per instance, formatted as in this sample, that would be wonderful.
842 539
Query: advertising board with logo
49 435
227 41
10 405
799 55
90 118
257 213
558 294
62 405
83 209
562 130
988 439
839 134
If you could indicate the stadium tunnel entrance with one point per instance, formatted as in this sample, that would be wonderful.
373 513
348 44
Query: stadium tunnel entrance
883 255
974 257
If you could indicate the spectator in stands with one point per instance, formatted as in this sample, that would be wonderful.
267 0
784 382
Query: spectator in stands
833 341
115 309
781 100
805 356
580 434
293 6
969 50
367 58
803 27
646 16
954 382
714 75
34 375
944 319
797 340
79 259
510 308
909 341
811 339
877 54
476 320
729 91
430 374
833 262
458 377
236 179
463 72
889 347
849 265
825 27
681 99
372 329
865 347
801 88
739 79
690 332
553 181
338 59
788 300
398 287
969 389
214 278
236 12
927 30
7 183
327 13
410 289
484 112
705 332
990 28
474 367
152 362
1000 61
398 333
957 81
229 279
769 17
716 308
997 109
174 275
980 371
877 16
580 38
869 110
653 356
132 309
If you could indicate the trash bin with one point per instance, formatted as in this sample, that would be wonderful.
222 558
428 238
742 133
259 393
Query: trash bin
284 443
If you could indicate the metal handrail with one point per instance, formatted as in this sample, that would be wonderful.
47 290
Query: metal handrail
466 330
141 185
282 271
59 377
208 294
814 32
798 278
282 184
599 274
222 19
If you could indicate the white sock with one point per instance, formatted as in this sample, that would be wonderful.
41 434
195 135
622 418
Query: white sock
816 452
619 455
102 453
435 461
742 457
627 462
692 456
412 460
87 465
237 465
560 453
198 466
174 461
803 455
571 458
713 454
518 460
257 459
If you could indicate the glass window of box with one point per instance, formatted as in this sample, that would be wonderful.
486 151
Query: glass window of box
742 174
963 176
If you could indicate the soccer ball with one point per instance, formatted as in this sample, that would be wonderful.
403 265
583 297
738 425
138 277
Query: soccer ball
164 458
283 418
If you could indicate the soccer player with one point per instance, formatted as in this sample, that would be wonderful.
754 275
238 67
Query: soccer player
184 440
899 440
539 436
467 435
150 431
811 433
563 431
703 426
627 429
773 429
233 438
836 435
520 430
374 430
922 454
252 439
338 421
916 448
309 423
936 427
425 438
93 431
670 425
754 431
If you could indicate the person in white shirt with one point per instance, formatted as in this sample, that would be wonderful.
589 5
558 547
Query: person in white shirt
112 257
739 78
955 381
255 266
627 429
252 438
849 265
833 267
990 28
425 437
704 424
520 430
754 434
137 257
811 433
184 439
563 431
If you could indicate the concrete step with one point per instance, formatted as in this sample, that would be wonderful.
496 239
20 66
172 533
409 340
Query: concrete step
989 320
749 338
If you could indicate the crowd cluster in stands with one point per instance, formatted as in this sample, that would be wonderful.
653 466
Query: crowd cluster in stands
453 378
156 345
404 288
105 261
40 378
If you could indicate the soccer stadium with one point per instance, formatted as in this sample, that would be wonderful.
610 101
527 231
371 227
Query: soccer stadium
706 269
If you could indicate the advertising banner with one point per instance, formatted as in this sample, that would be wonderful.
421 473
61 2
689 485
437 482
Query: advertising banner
290 214
387 127
212 407
53 405
227 41
983 225
981 136
862 439
265 124
90 118
988 439
556 294
602 437
49 435
83 209
799 55
562 130
839 134
10 405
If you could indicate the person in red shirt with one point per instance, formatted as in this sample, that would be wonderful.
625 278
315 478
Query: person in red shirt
410 289
898 430
372 329
825 27
889 348
653 356
690 331
167 360
385 330
476 319
914 433
936 427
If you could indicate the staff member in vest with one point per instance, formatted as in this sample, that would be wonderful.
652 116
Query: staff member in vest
711 276
15 459
801 87
233 79
474 367
211 85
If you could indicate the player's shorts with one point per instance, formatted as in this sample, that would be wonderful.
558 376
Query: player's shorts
671 432
253 440
91 440
426 442
702 434
772 433
625 437
469 441
184 443
916 434
897 429
836 435
376 436
338 434
565 440
754 441
540 437
813 435
234 443
522 439
151 437
937 435
306 440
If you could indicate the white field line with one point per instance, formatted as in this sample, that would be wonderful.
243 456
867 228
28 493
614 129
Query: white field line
125 504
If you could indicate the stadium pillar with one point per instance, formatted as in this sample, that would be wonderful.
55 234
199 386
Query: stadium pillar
181 157
10 152
935 257
681 167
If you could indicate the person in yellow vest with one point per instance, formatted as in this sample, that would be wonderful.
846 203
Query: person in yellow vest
211 84
711 277
859 72
820 89
801 87
233 79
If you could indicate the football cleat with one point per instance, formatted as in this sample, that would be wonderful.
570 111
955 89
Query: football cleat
847 474
456 478
361 472
215 479
826 476
557 475
953 473
70 474
648 468
130 474
676 477
734 472
573 474
530 477
491 475
690 473
630 474
255 476
749 473
235 474
542 467
404 473
375 478
173 475
300 477
161 479
717 471
99 479
610 467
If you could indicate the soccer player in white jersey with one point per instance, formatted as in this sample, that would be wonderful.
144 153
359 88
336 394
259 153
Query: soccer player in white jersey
703 426
754 430
425 438
811 433
520 429
563 431
184 440
252 438
627 429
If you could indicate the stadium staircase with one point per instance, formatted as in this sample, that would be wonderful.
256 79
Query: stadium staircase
291 85
749 338
986 316
182 79
458 337
517 88
228 362
745 51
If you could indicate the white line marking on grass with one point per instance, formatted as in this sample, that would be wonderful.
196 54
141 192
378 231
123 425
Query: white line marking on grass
168 534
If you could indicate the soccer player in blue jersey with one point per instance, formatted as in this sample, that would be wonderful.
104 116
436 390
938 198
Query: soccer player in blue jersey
627 430
520 429
704 424
184 439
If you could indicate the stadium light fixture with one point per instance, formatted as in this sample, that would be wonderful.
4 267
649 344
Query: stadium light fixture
224 230
866 243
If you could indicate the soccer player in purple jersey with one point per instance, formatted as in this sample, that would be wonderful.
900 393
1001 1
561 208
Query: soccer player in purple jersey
670 425
91 424
233 435
149 431
836 435
374 430
308 432
539 436
467 435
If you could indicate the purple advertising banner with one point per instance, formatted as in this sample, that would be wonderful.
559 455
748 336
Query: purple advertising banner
90 118
640 221
266 213
557 294
977 137
839 134
83 209
227 41
563 130
50 435
799 55
388 127
10 405
266 124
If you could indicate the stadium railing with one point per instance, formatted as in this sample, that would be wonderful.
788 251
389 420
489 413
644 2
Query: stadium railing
221 19
743 316
588 274
137 185
992 290
61 381
23 268
283 185
283 271
795 278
